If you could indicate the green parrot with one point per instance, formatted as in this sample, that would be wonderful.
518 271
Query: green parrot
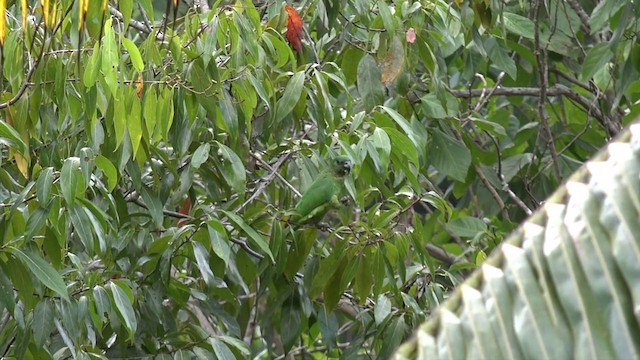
322 195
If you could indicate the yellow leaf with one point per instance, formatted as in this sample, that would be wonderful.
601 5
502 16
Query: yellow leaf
25 10
22 163
3 21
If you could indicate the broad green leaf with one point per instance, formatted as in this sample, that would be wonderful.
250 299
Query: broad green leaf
466 226
229 113
597 57
202 259
364 275
149 111
126 8
219 240
433 106
232 168
387 18
200 156
449 156
119 118
82 226
42 270
393 335
92 68
154 205
369 83
381 142
69 179
43 322
518 24
221 349
134 124
109 170
134 53
254 236
9 136
328 266
123 304
110 58
43 186
290 97
382 309
500 58
405 126
402 145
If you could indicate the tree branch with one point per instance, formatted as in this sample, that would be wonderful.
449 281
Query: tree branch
609 125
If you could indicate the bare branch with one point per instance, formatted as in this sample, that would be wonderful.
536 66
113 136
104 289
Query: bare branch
543 77
609 125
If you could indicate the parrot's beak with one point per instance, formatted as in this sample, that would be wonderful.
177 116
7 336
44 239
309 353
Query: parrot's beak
346 167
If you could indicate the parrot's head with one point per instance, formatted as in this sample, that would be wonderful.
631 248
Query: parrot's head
341 166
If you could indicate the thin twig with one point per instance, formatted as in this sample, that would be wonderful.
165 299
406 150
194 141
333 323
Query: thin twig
494 193
265 181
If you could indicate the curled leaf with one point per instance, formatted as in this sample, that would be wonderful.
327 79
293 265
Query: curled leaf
139 85
294 28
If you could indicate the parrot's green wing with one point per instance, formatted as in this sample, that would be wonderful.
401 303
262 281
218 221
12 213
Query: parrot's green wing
322 194
317 200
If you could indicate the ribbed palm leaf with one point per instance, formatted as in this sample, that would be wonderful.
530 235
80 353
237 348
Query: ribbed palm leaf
564 285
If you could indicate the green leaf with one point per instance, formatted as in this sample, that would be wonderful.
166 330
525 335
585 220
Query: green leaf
9 136
381 142
43 322
596 59
254 236
82 226
402 146
43 186
219 240
229 113
387 18
221 349
518 24
134 53
290 98
364 275
134 124
467 226
369 83
123 304
202 260
109 170
200 156
500 58
393 335
119 118
92 68
154 205
433 106
328 266
232 168
110 58
42 270
69 179
449 156
405 126
382 309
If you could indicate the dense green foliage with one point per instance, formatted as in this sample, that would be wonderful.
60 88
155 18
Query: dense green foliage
459 118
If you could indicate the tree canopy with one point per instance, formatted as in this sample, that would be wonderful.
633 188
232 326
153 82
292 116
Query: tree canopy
150 149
